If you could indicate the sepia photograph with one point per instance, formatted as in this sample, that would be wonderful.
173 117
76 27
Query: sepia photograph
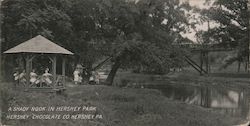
124 62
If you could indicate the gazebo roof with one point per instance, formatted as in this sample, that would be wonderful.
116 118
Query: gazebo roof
38 44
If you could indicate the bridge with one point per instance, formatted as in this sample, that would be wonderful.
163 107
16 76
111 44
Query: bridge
203 67
194 47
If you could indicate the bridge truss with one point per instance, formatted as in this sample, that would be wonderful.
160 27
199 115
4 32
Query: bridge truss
203 66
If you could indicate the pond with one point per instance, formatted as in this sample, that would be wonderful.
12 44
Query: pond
229 101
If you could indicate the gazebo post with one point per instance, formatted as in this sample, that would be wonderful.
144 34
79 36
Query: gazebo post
54 70
31 64
27 68
63 69
20 62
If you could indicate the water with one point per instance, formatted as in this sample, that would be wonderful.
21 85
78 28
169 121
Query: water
230 101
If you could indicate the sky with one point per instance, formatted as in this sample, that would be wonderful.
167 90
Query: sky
204 27
197 3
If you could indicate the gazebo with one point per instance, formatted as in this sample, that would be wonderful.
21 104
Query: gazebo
37 46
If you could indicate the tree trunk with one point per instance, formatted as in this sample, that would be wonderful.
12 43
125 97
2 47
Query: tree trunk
111 76
246 66
239 63
0 58
201 62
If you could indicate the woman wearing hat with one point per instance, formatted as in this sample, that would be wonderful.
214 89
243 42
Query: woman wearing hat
16 76
77 72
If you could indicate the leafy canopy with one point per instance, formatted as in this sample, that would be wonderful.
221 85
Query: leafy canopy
135 33
232 17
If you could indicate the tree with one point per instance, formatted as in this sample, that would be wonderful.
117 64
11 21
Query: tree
133 33
232 17
24 19
144 32
1 16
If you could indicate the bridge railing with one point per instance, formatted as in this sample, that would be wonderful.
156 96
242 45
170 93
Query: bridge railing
204 47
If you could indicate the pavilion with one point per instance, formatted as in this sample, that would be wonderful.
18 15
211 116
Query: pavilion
39 45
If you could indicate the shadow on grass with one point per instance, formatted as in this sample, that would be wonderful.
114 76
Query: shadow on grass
231 75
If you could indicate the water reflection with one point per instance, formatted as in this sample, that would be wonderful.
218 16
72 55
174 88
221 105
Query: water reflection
234 102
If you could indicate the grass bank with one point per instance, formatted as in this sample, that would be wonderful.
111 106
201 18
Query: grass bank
119 107
185 77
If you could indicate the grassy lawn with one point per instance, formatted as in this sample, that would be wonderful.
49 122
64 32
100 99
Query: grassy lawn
119 107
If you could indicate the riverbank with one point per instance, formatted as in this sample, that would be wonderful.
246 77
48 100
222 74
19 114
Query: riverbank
233 80
118 106
185 77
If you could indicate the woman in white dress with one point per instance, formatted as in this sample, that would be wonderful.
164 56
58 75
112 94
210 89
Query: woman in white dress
33 77
16 77
46 77
77 77
22 78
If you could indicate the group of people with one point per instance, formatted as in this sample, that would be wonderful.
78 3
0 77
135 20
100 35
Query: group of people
94 78
20 78
80 74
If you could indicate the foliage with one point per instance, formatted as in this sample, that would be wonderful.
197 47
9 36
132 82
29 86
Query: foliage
134 33
146 32
232 32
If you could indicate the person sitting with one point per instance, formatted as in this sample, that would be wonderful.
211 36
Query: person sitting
22 78
16 77
92 78
33 78
46 77
97 77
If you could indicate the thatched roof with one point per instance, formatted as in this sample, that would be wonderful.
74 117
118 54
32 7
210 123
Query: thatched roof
38 44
